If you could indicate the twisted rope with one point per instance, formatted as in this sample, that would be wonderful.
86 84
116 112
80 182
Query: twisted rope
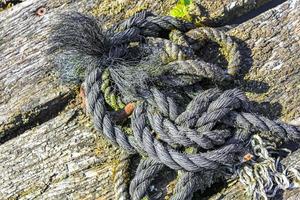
121 178
225 41
175 159
190 182
110 95
137 62
145 174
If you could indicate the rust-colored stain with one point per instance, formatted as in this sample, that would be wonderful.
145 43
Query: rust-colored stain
129 109
247 157
82 96
41 11
123 114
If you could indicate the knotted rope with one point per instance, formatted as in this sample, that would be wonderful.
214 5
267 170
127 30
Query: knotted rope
141 66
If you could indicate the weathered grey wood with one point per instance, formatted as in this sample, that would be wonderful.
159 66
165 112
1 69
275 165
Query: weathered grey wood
273 39
216 13
25 82
62 158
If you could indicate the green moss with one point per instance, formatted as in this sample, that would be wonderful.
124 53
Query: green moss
8 4
119 10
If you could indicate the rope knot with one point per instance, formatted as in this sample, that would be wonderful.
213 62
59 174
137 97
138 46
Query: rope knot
166 95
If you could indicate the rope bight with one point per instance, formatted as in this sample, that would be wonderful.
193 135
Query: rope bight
149 92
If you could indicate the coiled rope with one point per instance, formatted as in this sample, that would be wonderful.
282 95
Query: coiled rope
137 67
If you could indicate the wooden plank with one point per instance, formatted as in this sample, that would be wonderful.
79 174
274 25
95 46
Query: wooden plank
59 159
29 85
270 43
26 83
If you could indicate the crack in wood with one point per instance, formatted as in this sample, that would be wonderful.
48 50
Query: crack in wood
34 117
255 12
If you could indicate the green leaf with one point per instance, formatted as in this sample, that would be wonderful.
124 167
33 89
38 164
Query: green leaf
181 10
178 11
185 2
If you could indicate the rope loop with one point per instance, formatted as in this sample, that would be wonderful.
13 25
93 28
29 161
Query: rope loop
232 54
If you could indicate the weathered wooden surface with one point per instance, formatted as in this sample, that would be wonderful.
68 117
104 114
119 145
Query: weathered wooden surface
216 13
62 158
270 48
274 76
25 82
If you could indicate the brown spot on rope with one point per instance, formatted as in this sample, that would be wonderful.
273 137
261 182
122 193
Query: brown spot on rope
247 157
41 11
129 109
124 113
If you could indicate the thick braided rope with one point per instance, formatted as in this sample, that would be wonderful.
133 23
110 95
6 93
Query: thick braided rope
215 159
195 117
110 96
116 135
195 39
158 124
186 186
149 25
190 182
97 108
144 24
259 123
154 147
109 129
145 174
121 178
